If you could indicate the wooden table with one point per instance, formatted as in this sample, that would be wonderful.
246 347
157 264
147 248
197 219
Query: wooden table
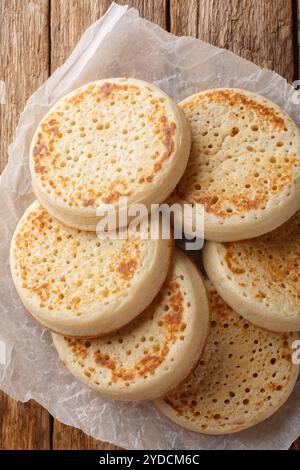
37 36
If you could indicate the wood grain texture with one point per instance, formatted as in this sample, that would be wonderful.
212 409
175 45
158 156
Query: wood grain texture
296 445
23 426
258 30
66 437
69 19
23 60
23 67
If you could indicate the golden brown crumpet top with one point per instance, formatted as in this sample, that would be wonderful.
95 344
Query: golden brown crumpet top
109 139
244 376
260 278
244 165
74 283
153 353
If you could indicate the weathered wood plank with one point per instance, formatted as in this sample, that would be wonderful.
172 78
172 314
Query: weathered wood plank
258 30
69 19
66 437
23 60
23 67
23 426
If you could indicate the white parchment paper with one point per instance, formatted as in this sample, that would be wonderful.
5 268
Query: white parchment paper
119 44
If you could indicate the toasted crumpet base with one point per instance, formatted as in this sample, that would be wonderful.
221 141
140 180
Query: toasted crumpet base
260 278
113 138
78 285
155 352
243 377
244 165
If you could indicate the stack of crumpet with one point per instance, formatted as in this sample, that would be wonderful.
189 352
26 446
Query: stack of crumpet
132 317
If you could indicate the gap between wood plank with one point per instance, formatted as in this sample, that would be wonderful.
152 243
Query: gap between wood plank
296 38
168 15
